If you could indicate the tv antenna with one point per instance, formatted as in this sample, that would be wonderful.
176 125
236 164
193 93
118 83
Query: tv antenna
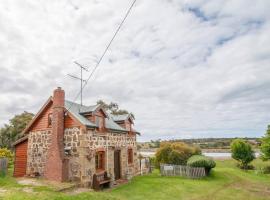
80 78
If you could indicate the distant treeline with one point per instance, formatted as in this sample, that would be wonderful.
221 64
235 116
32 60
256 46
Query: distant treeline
203 143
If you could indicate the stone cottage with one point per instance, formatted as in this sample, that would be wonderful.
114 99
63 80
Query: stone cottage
66 141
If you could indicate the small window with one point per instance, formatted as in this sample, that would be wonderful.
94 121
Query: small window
130 156
100 122
50 120
100 160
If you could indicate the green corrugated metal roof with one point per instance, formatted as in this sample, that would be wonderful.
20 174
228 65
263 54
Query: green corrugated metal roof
110 124
77 110
120 117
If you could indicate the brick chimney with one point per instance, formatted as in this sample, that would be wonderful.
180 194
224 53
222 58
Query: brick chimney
54 166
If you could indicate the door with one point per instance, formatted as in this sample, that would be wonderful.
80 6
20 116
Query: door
20 159
117 165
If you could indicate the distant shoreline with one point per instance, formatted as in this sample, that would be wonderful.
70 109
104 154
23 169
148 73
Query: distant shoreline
203 150
219 154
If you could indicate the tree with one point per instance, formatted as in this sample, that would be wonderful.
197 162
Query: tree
175 153
265 146
113 108
242 152
12 131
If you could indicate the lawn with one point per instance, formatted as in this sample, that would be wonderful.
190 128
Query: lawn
225 182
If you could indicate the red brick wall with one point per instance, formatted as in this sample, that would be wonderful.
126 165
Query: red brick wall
69 122
42 122
54 168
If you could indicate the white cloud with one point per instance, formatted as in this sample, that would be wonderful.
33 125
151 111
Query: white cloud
185 68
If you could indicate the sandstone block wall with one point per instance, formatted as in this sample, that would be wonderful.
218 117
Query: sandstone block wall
38 143
81 147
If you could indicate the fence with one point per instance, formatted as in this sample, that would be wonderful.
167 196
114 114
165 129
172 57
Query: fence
145 165
181 170
3 166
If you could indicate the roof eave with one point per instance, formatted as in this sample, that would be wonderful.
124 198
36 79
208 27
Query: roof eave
90 126
85 113
37 115
138 133
119 120
118 131
20 140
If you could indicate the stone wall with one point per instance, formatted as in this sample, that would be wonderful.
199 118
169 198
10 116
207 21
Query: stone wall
116 141
38 143
71 140
83 146
72 143
80 148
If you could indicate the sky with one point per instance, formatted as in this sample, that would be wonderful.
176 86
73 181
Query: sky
185 68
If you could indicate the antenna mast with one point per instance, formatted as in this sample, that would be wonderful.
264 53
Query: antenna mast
81 78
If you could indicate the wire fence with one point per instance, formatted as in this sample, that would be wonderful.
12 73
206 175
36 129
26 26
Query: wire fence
182 170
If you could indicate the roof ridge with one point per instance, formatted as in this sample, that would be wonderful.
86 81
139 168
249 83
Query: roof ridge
79 104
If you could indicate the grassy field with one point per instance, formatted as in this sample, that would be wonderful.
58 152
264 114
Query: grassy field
225 182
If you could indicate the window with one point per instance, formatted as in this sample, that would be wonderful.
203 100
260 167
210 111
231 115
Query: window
100 160
50 120
100 122
130 156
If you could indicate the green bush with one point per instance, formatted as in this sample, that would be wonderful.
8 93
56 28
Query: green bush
242 152
264 170
247 167
201 161
265 146
175 153
5 153
153 162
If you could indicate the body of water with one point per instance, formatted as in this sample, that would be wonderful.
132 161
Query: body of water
213 154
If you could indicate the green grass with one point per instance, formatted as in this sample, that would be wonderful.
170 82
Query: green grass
225 182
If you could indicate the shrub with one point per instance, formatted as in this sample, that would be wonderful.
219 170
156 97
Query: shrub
266 170
175 153
242 152
265 146
5 153
153 162
202 161
247 167
263 170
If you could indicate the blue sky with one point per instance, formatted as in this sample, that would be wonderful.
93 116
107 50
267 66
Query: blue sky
185 68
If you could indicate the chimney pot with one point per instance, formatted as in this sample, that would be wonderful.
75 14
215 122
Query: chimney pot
58 97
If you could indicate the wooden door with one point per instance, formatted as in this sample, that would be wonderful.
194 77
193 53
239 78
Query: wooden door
117 165
20 159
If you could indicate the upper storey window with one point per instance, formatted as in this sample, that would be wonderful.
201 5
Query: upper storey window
50 119
100 122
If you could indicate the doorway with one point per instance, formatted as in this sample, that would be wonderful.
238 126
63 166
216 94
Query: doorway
117 165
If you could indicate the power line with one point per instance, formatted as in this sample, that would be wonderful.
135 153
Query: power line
104 52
